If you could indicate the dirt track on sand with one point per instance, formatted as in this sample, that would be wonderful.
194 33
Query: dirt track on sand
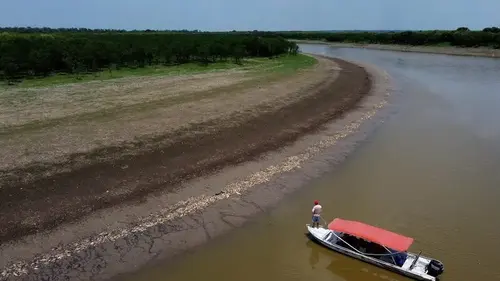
222 131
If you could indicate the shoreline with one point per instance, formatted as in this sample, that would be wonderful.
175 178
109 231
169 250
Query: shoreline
453 51
126 139
201 209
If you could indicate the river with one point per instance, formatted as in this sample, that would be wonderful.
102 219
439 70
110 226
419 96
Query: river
431 171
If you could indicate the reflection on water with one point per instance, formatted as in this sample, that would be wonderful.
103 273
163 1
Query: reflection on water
430 172
345 268
314 257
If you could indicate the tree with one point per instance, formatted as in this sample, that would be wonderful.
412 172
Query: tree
78 51
492 29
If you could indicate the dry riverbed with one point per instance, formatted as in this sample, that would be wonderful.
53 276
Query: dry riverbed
184 165
71 149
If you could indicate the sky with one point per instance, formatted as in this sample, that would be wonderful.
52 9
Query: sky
217 15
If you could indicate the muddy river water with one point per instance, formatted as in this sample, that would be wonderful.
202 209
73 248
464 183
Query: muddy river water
430 171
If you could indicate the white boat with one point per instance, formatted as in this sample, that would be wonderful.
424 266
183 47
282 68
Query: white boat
376 246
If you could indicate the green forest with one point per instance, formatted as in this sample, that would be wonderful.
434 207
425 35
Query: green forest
37 52
461 37
27 53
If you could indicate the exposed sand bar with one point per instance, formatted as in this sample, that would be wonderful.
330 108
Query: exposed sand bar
117 240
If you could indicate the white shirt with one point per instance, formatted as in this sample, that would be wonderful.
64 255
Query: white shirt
316 210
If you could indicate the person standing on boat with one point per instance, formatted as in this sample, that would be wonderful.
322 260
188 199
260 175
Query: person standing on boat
316 213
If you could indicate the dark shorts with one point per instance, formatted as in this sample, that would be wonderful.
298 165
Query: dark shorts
315 218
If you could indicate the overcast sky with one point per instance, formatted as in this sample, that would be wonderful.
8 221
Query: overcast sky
253 14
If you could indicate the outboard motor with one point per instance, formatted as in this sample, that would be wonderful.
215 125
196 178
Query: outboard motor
435 268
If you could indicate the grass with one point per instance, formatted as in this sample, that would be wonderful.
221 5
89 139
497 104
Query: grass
47 124
289 64
282 64
443 44
20 103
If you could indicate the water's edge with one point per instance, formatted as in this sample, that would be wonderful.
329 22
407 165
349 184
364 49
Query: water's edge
452 51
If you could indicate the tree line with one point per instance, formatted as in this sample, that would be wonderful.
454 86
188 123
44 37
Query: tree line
33 54
28 29
462 37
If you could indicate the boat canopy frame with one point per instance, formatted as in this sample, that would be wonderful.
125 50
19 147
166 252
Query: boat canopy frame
371 233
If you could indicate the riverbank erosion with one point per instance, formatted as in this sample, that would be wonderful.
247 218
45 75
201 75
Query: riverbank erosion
183 194
444 50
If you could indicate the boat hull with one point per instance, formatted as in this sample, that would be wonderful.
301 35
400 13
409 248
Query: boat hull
318 235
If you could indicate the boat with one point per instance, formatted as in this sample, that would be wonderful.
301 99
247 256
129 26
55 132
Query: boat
376 246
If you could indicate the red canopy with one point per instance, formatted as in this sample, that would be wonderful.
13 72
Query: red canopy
371 233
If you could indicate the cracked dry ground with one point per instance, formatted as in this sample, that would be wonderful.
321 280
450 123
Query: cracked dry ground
75 149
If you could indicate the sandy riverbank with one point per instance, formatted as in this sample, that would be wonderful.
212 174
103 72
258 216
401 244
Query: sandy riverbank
70 150
314 132
477 52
